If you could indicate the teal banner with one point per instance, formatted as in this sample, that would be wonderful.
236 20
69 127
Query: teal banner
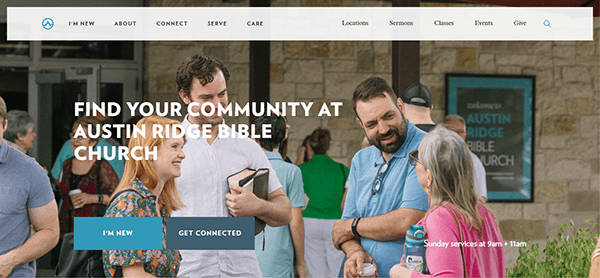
499 115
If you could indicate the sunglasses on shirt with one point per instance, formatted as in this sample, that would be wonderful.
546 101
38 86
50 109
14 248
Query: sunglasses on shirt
378 182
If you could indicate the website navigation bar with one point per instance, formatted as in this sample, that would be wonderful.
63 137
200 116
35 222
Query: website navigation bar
300 24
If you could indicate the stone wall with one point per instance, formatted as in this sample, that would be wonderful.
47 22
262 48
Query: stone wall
566 147
324 72
163 60
567 167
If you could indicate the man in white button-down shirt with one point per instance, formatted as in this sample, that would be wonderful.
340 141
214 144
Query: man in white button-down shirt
210 160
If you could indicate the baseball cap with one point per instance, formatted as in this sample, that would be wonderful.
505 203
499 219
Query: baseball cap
416 94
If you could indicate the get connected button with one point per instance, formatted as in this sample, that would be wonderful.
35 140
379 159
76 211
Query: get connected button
210 233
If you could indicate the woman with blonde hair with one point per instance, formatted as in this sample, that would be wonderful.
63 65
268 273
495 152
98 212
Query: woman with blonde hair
456 214
148 190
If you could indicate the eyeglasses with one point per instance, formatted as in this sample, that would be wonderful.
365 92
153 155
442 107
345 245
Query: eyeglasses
72 136
413 158
378 183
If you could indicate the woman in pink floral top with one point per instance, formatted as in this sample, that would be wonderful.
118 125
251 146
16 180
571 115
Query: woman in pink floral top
150 191
445 172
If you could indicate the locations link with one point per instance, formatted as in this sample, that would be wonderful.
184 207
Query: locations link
355 23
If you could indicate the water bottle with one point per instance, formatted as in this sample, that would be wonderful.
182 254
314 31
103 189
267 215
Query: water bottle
414 249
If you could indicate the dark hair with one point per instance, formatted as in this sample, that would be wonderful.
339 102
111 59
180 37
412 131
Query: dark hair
305 144
133 120
283 148
319 140
277 130
19 122
201 67
371 88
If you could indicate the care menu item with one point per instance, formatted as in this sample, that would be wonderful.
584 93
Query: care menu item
73 193
257 181
369 270
414 249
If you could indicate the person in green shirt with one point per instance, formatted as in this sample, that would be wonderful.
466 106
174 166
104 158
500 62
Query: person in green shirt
324 181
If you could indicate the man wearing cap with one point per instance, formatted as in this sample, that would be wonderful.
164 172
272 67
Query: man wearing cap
415 103
457 124
26 199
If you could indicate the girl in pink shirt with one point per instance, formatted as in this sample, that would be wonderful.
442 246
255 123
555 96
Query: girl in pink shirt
445 172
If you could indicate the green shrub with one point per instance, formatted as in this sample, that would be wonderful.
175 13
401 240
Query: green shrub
563 256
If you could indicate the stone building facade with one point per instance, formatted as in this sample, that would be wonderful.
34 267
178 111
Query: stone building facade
567 117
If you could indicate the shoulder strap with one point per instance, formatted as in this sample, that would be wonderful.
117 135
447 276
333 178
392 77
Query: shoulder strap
343 176
462 251
119 193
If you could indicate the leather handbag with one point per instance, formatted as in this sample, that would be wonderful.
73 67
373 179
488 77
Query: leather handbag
82 263
78 263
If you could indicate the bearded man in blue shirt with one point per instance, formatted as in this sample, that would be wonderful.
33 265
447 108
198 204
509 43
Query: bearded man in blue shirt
384 196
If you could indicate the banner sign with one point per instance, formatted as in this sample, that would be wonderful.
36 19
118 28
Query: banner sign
499 115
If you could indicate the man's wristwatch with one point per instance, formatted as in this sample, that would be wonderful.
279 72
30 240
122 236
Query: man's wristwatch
100 199
354 224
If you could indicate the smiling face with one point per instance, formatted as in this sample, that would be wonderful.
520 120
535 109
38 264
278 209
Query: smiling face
168 162
214 92
26 142
384 124
80 141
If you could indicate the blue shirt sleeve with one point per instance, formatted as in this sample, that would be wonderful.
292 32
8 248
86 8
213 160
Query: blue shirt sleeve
350 205
296 191
40 188
64 154
260 160
413 197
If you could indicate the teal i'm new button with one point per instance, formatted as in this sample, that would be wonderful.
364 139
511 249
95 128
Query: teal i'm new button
118 233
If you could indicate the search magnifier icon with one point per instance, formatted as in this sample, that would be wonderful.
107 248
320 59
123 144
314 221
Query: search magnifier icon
547 23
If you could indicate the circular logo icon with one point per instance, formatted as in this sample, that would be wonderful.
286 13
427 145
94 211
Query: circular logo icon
47 23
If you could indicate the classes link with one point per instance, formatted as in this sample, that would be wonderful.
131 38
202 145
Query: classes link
443 23
162 23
